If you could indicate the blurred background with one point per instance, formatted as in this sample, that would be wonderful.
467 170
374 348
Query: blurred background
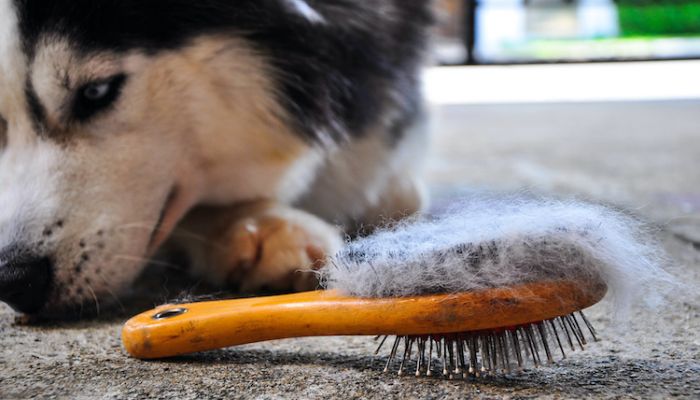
592 98
518 31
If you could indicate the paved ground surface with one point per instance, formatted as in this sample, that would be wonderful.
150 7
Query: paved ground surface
644 156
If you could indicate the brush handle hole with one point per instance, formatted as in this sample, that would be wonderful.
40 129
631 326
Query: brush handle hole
171 313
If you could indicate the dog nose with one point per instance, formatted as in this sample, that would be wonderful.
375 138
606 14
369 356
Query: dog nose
24 280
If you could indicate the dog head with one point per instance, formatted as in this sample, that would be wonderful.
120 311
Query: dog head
117 117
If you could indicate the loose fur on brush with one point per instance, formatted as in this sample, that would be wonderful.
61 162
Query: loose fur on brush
484 242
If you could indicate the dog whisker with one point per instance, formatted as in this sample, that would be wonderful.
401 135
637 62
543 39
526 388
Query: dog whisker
135 225
149 261
111 293
179 232
97 302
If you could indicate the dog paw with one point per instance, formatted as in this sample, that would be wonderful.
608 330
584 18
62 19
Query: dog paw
278 250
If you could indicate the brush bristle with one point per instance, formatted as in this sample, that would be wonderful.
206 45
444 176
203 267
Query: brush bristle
474 354
483 242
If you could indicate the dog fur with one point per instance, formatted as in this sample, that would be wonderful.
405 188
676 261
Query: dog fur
484 241
251 133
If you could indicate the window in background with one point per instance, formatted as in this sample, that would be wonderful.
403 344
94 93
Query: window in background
516 31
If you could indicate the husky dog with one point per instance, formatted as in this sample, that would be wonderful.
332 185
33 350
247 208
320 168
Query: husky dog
253 133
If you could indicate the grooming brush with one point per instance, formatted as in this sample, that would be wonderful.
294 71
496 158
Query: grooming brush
470 333
472 292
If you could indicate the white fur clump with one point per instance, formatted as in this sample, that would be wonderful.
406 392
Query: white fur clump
486 242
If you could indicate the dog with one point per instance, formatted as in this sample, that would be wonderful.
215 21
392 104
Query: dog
255 135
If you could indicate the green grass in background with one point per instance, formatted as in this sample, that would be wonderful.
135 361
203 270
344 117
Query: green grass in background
646 18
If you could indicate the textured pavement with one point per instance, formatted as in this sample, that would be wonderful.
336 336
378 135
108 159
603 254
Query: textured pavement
642 156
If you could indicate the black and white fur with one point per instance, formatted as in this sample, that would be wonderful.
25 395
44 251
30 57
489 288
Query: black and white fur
264 129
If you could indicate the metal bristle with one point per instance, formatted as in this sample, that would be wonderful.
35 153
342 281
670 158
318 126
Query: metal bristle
566 330
575 331
471 344
429 371
394 348
406 354
420 355
516 348
451 356
473 354
381 344
591 329
444 358
462 362
545 344
503 345
485 357
530 346
556 335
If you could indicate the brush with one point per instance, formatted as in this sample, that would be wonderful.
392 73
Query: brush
461 299
488 330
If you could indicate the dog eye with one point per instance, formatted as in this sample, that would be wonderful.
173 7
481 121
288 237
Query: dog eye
97 96
96 91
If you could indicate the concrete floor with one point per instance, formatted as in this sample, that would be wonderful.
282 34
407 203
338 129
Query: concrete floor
643 156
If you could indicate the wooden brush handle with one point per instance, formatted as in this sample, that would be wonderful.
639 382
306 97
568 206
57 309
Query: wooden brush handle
189 328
